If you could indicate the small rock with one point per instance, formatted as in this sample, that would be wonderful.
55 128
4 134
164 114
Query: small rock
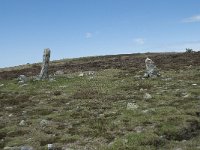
194 84
44 123
26 148
11 148
52 79
1 85
65 148
141 90
9 108
145 111
101 115
178 149
186 96
23 85
167 79
91 73
10 115
22 123
136 76
59 72
132 106
24 112
139 129
62 86
50 146
81 75
147 96
190 66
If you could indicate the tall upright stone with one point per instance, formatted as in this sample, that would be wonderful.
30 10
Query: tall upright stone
44 73
151 70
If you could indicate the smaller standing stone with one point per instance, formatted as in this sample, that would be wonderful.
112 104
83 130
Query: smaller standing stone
151 70
22 79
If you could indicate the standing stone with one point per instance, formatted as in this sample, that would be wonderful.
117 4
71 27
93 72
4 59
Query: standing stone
44 74
151 70
22 79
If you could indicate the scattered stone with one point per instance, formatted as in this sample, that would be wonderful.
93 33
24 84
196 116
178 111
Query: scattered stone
167 79
194 84
189 67
139 129
147 96
22 123
62 86
142 90
11 148
26 148
59 72
22 79
186 96
50 146
44 122
178 149
10 115
24 112
145 111
9 108
65 148
151 70
91 73
1 85
81 74
151 110
23 85
137 76
132 106
52 79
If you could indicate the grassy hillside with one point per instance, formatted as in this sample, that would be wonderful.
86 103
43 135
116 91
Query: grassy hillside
106 109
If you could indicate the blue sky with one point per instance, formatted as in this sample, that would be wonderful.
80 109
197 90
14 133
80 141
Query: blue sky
76 28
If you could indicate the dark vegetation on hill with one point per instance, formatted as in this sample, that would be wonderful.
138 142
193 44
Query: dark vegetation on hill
134 62
112 108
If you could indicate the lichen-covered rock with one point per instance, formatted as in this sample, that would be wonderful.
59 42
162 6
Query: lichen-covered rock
132 106
44 73
147 96
22 79
151 70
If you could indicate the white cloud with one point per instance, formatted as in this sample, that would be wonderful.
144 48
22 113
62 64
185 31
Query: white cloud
88 35
195 18
139 41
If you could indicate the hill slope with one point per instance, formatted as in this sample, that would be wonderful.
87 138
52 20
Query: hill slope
104 107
